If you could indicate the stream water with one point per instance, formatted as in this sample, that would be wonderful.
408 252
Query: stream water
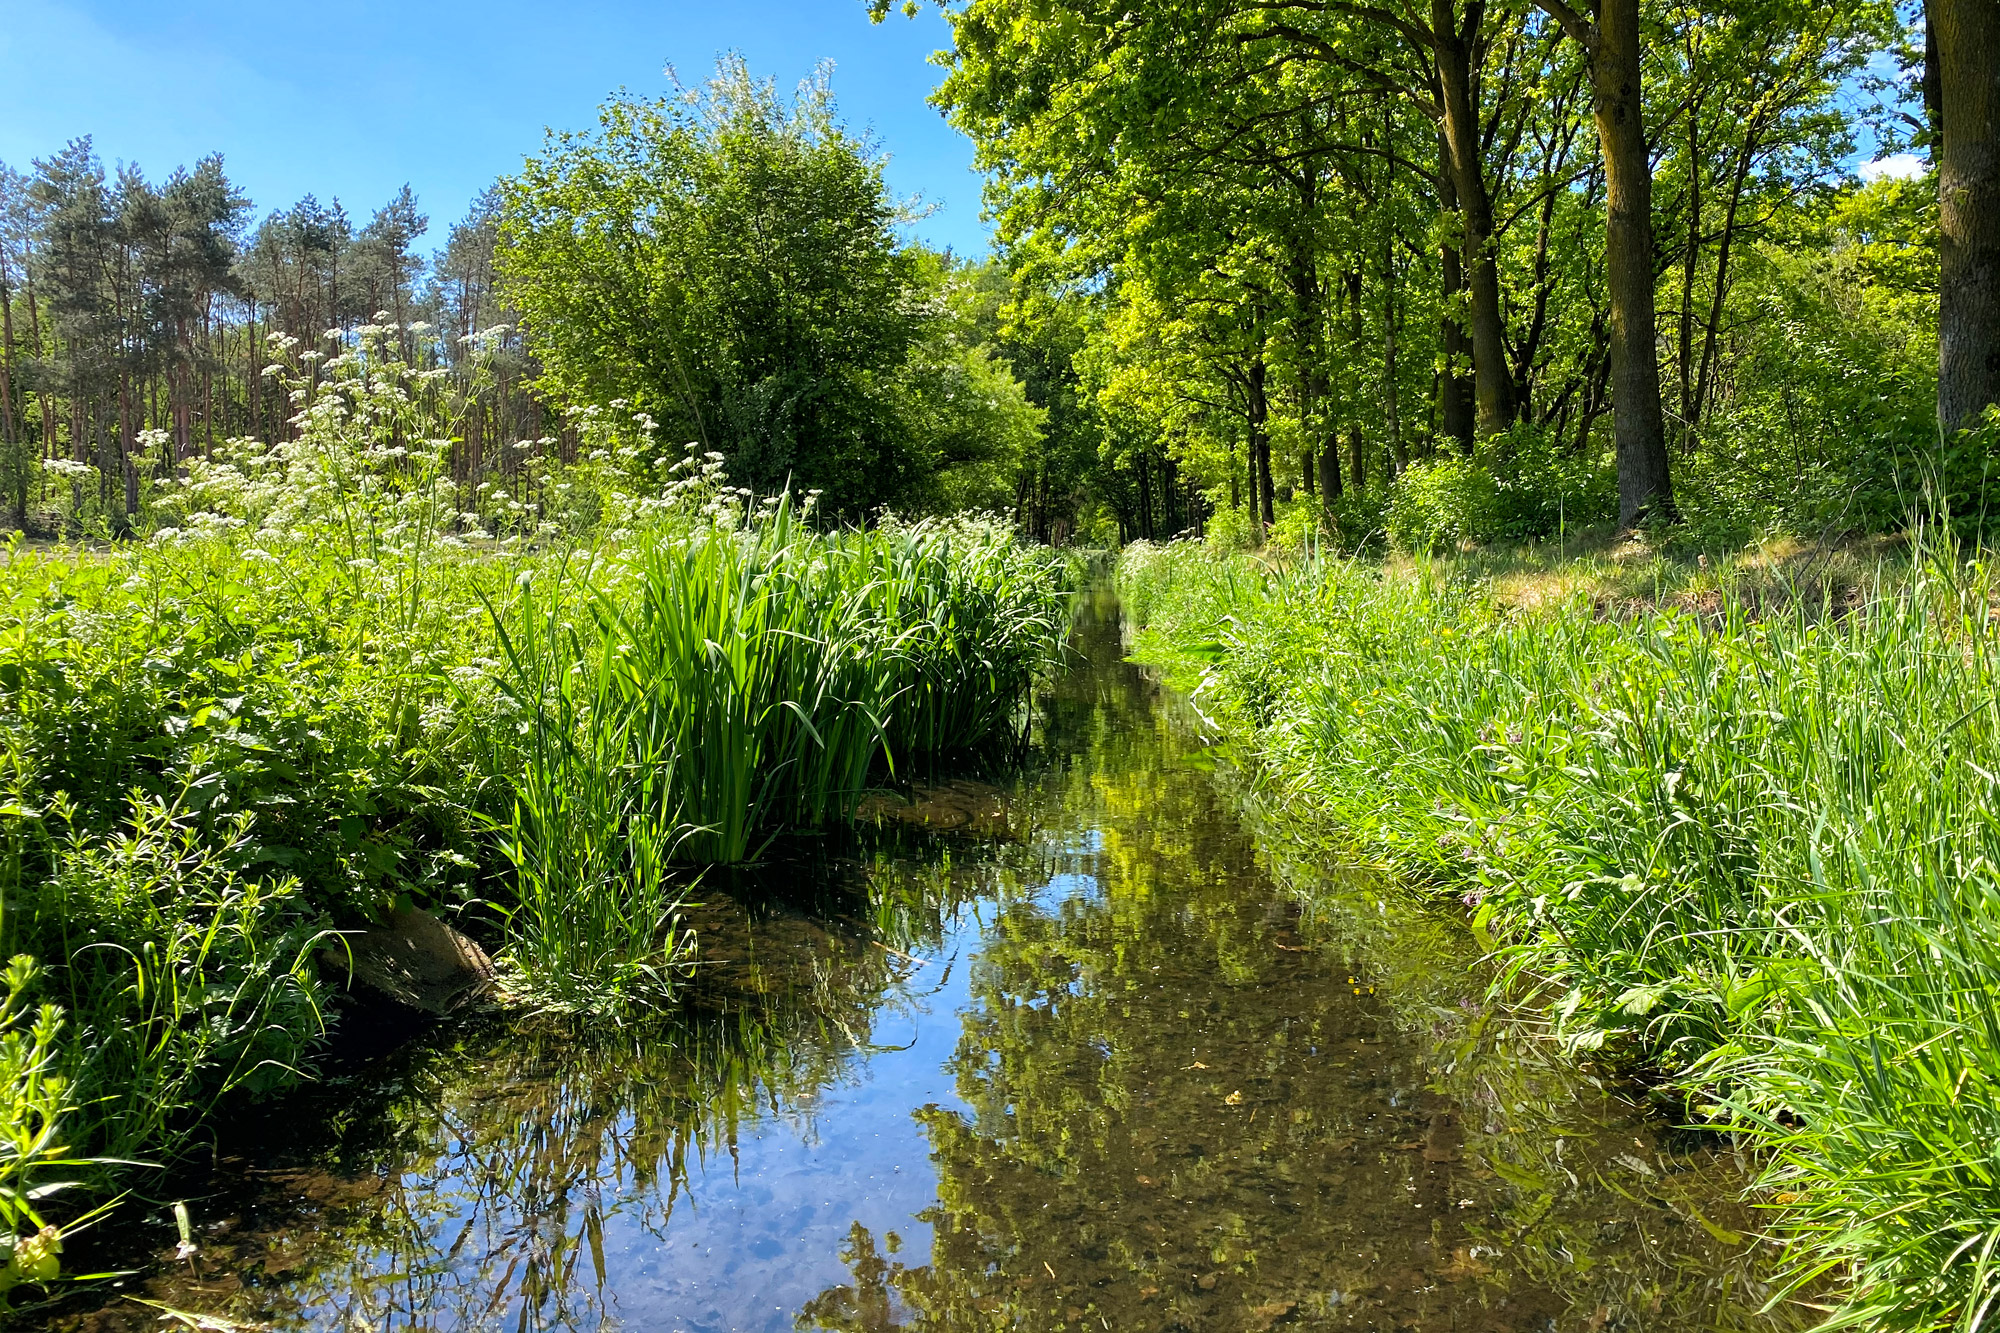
1102 1056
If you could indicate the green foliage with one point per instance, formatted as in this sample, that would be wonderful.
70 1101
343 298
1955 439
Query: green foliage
185 978
1547 488
340 682
1751 851
1438 505
1832 425
1231 529
729 264
35 1103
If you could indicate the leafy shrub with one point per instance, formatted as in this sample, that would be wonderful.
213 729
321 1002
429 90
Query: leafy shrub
184 978
1301 524
1231 529
35 1104
1829 419
1545 487
1437 505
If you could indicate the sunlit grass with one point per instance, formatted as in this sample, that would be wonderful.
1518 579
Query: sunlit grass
1740 824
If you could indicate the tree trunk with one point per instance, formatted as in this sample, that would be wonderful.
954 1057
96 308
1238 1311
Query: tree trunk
1357 454
1712 331
1454 394
1968 78
1262 498
1645 487
1145 500
1392 407
1493 381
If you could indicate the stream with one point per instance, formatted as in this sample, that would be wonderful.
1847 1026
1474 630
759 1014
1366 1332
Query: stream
1099 1048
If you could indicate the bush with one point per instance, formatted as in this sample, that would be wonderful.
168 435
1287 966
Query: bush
1231 529
1546 488
184 977
1439 505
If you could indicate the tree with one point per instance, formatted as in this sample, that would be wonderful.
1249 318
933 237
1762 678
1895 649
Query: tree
1645 485
1966 37
728 263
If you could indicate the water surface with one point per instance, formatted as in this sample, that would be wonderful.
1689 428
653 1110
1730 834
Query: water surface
1108 1056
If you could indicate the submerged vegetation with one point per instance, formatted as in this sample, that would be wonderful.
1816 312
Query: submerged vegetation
1748 842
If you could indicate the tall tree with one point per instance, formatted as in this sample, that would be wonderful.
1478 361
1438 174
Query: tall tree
1966 37
1617 78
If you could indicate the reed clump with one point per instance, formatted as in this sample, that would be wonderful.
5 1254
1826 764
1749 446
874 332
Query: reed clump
686 698
1749 845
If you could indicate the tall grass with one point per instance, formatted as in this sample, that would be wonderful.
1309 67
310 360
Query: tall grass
595 816
711 685
1757 851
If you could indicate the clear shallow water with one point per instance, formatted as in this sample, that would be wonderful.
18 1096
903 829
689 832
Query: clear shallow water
1108 1057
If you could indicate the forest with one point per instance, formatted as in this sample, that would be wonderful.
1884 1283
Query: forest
1347 269
1550 443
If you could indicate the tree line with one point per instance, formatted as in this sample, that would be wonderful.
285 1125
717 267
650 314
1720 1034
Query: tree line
1435 268
137 318
1607 260
724 265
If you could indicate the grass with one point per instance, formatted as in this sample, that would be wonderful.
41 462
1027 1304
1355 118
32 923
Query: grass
721 684
1748 841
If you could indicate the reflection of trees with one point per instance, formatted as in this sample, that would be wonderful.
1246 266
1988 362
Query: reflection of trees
478 1194
1204 1087
1193 1102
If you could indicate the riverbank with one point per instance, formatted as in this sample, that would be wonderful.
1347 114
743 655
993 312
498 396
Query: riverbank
1748 841
1088 1048
235 751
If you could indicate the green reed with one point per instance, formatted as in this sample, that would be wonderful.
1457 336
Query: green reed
712 685
1755 850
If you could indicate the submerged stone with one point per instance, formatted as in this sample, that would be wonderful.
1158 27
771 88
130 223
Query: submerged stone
415 960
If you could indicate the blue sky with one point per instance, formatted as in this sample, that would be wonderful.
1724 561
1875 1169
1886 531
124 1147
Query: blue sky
355 98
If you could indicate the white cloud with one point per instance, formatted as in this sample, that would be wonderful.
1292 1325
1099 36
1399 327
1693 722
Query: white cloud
1899 166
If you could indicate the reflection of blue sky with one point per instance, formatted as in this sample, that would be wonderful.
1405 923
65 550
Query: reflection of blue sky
757 1231
755 1239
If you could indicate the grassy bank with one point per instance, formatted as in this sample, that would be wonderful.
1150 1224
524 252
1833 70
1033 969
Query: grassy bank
1738 823
333 685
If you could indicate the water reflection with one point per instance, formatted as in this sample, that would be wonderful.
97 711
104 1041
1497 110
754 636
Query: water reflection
1128 1066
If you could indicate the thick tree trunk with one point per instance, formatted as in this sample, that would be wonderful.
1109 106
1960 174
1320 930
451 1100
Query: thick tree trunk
1968 78
1493 381
1454 392
1645 486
